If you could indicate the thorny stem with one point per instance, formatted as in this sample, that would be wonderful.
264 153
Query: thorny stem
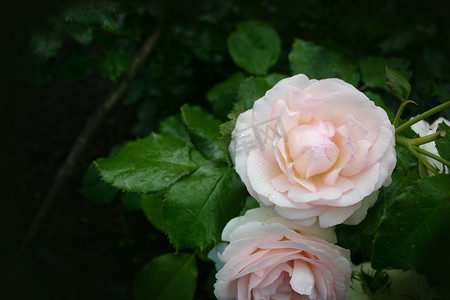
425 115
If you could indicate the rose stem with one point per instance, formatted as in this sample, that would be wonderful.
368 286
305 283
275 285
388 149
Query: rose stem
433 156
425 115
400 110
405 142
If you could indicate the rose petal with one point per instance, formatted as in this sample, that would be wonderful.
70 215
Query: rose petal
260 175
337 215
361 212
239 156
302 280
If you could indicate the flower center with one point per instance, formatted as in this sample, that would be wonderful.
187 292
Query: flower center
312 149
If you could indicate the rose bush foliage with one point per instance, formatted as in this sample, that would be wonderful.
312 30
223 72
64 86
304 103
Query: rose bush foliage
270 257
314 149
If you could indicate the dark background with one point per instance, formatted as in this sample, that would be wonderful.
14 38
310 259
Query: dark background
90 251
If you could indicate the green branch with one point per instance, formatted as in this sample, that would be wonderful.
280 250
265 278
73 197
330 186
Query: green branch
400 110
407 143
428 138
433 156
425 115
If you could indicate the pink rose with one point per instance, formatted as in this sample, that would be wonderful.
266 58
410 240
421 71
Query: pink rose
270 257
314 149
422 128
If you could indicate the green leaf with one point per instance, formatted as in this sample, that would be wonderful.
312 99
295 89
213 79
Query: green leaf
167 277
385 198
94 189
95 14
405 160
47 43
204 131
223 94
147 165
112 64
197 207
398 84
250 203
373 70
443 144
224 142
309 59
412 223
254 46
130 202
152 206
343 69
254 88
82 34
250 90
227 128
316 62
174 128
198 158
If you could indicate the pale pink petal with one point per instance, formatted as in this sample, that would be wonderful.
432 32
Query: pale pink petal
326 195
344 141
264 216
307 106
364 185
269 260
384 141
260 175
274 274
322 88
356 104
242 289
361 212
337 215
257 214
359 163
256 228
225 290
321 284
302 280
305 222
243 137
300 214
235 265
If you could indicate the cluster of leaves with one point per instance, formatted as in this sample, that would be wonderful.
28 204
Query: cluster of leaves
181 175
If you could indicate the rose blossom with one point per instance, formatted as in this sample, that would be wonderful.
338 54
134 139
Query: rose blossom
270 257
422 128
314 148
